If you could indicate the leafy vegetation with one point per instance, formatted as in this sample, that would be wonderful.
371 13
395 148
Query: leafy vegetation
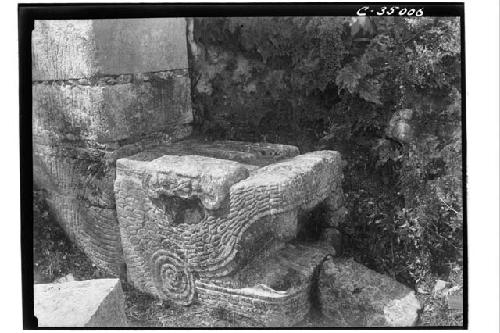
415 227
341 83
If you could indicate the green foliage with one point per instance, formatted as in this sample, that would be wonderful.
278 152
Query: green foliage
334 83
293 62
431 179
310 48
408 55
415 228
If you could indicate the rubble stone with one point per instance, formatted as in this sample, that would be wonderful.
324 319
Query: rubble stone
352 295
91 303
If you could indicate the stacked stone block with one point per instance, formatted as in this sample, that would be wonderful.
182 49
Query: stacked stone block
102 89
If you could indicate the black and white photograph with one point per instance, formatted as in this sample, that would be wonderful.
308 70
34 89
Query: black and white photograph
244 166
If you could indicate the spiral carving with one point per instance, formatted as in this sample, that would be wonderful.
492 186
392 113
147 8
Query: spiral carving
172 276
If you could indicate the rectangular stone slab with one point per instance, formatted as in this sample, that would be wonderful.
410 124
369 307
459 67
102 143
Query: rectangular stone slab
128 108
250 153
74 49
91 303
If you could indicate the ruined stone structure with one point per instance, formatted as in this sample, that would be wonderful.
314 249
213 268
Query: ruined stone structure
191 224
102 89
194 222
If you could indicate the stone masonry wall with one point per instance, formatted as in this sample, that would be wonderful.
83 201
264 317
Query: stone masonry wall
103 89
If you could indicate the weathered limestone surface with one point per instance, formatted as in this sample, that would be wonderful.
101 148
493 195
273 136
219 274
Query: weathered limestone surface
125 107
180 218
74 49
252 155
202 316
187 176
102 90
274 291
91 303
352 295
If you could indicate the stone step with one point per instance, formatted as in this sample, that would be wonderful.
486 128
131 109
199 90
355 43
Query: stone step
275 291
91 303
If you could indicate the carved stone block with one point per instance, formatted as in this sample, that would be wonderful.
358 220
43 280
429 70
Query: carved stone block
192 223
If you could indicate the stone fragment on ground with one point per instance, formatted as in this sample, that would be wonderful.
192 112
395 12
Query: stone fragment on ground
438 287
456 302
91 303
351 295
66 278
